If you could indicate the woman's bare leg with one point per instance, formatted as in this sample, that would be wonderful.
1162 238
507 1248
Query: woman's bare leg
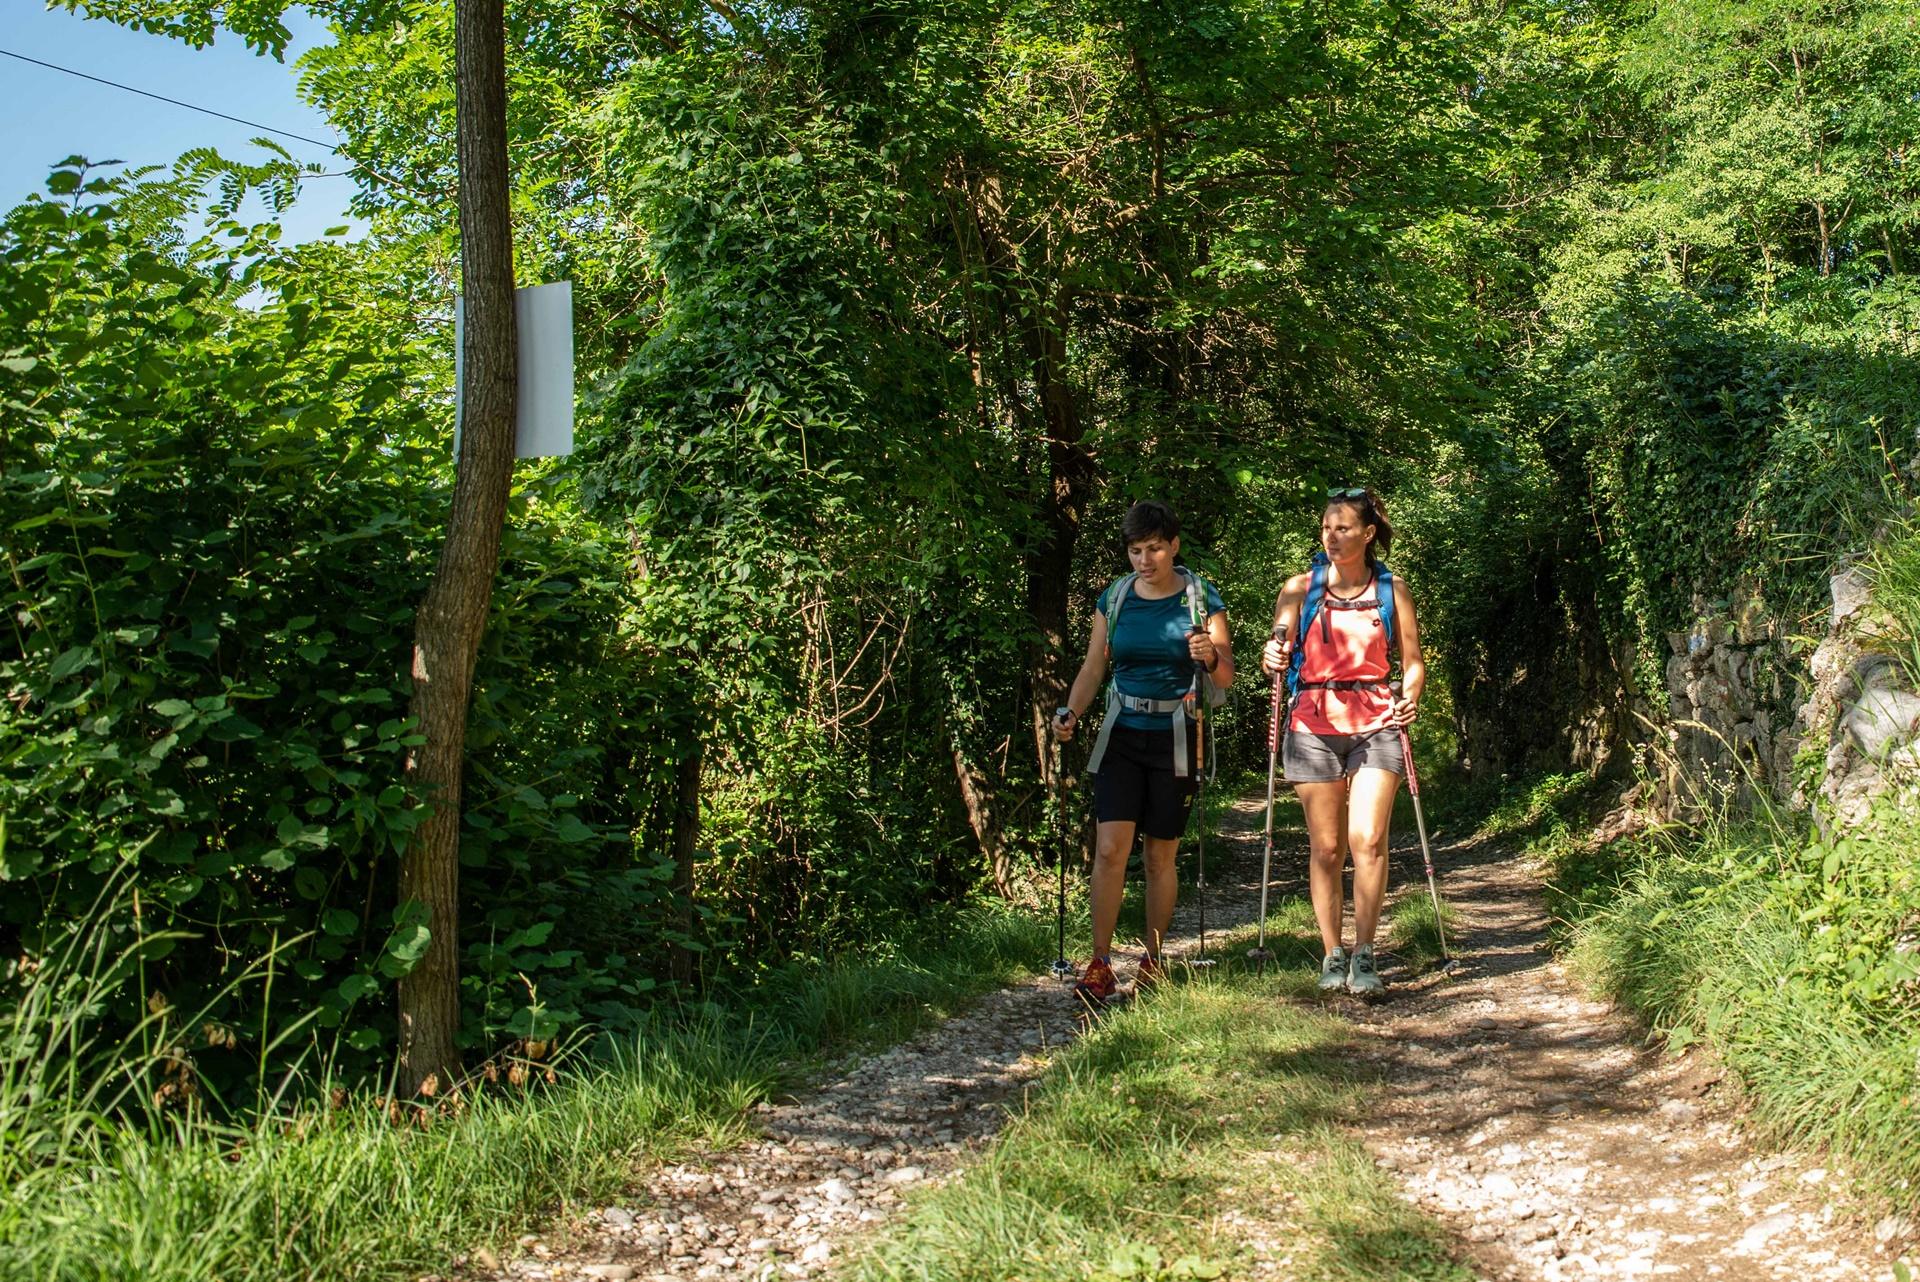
1112 845
1325 805
1162 887
1369 828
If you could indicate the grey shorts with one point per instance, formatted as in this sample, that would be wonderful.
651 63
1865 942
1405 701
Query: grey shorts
1323 758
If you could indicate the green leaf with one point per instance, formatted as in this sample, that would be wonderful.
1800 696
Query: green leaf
355 987
71 661
404 949
180 707
310 882
532 937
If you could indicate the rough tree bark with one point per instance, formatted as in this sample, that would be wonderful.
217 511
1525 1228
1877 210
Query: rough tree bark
453 614
977 794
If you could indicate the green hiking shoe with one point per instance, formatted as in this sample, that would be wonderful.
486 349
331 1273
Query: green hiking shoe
1333 970
1362 979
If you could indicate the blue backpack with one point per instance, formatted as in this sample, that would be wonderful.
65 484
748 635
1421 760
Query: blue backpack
1317 600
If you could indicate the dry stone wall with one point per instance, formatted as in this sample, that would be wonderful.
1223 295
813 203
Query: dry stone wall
1746 716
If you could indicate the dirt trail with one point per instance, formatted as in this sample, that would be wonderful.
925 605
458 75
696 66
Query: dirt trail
1538 1124
1527 1118
833 1161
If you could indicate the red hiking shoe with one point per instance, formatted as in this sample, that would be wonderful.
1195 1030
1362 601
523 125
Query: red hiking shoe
1151 973
1097 982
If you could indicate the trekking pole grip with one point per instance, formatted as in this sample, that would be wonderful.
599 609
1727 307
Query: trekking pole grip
1273 720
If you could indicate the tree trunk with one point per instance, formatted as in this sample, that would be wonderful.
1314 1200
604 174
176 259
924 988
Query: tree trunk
686 840
1042 334
977 795
453 614
1049 564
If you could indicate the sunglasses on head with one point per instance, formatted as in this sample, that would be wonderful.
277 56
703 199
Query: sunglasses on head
1350 492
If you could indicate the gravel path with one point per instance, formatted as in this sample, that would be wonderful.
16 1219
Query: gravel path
832 1162
1529 1119
1541 1127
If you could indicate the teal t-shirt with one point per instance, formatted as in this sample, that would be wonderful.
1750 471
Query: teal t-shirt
1149 649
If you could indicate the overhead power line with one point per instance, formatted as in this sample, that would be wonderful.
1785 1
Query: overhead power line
205 111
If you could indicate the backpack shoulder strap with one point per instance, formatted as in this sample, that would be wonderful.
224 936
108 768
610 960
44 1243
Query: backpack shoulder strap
1198 614
1316 593
1112 599
1196 597
1383 593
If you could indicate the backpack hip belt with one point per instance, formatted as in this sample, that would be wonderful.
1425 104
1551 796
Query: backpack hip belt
1118 701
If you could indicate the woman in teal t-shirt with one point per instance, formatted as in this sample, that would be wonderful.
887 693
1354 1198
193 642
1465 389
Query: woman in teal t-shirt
1143 766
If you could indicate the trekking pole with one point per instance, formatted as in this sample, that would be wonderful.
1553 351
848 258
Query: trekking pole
1200 805
1062 968
1260 954
1426 851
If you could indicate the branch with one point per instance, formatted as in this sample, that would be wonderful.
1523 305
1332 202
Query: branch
652 28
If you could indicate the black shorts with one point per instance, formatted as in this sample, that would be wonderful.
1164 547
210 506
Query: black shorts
1136 783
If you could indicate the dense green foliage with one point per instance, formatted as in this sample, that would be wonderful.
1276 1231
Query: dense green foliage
1718 371
885 314
219 510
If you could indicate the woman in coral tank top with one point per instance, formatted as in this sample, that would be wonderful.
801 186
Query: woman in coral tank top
1342 749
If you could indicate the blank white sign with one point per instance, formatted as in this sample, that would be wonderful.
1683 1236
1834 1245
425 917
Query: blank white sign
543 425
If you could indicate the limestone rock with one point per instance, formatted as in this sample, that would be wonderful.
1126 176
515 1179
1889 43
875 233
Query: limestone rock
1849 589
1882 721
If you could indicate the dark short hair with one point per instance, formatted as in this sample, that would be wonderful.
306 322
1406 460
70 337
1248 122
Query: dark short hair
1372 512
1148 519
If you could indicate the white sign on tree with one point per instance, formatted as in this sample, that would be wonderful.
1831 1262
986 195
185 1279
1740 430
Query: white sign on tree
543 423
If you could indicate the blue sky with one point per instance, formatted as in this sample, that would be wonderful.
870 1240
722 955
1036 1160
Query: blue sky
46 116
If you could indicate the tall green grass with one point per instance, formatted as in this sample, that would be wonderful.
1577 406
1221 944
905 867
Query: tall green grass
105 1180
1415 931
1221 1094
1787 956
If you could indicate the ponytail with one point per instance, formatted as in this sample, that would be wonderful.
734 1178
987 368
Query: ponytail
1371 512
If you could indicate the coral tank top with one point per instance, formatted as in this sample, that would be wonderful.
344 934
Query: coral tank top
1347 642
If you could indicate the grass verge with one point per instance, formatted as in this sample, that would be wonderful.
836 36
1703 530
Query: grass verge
1185 1135
1784 955
345 1193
